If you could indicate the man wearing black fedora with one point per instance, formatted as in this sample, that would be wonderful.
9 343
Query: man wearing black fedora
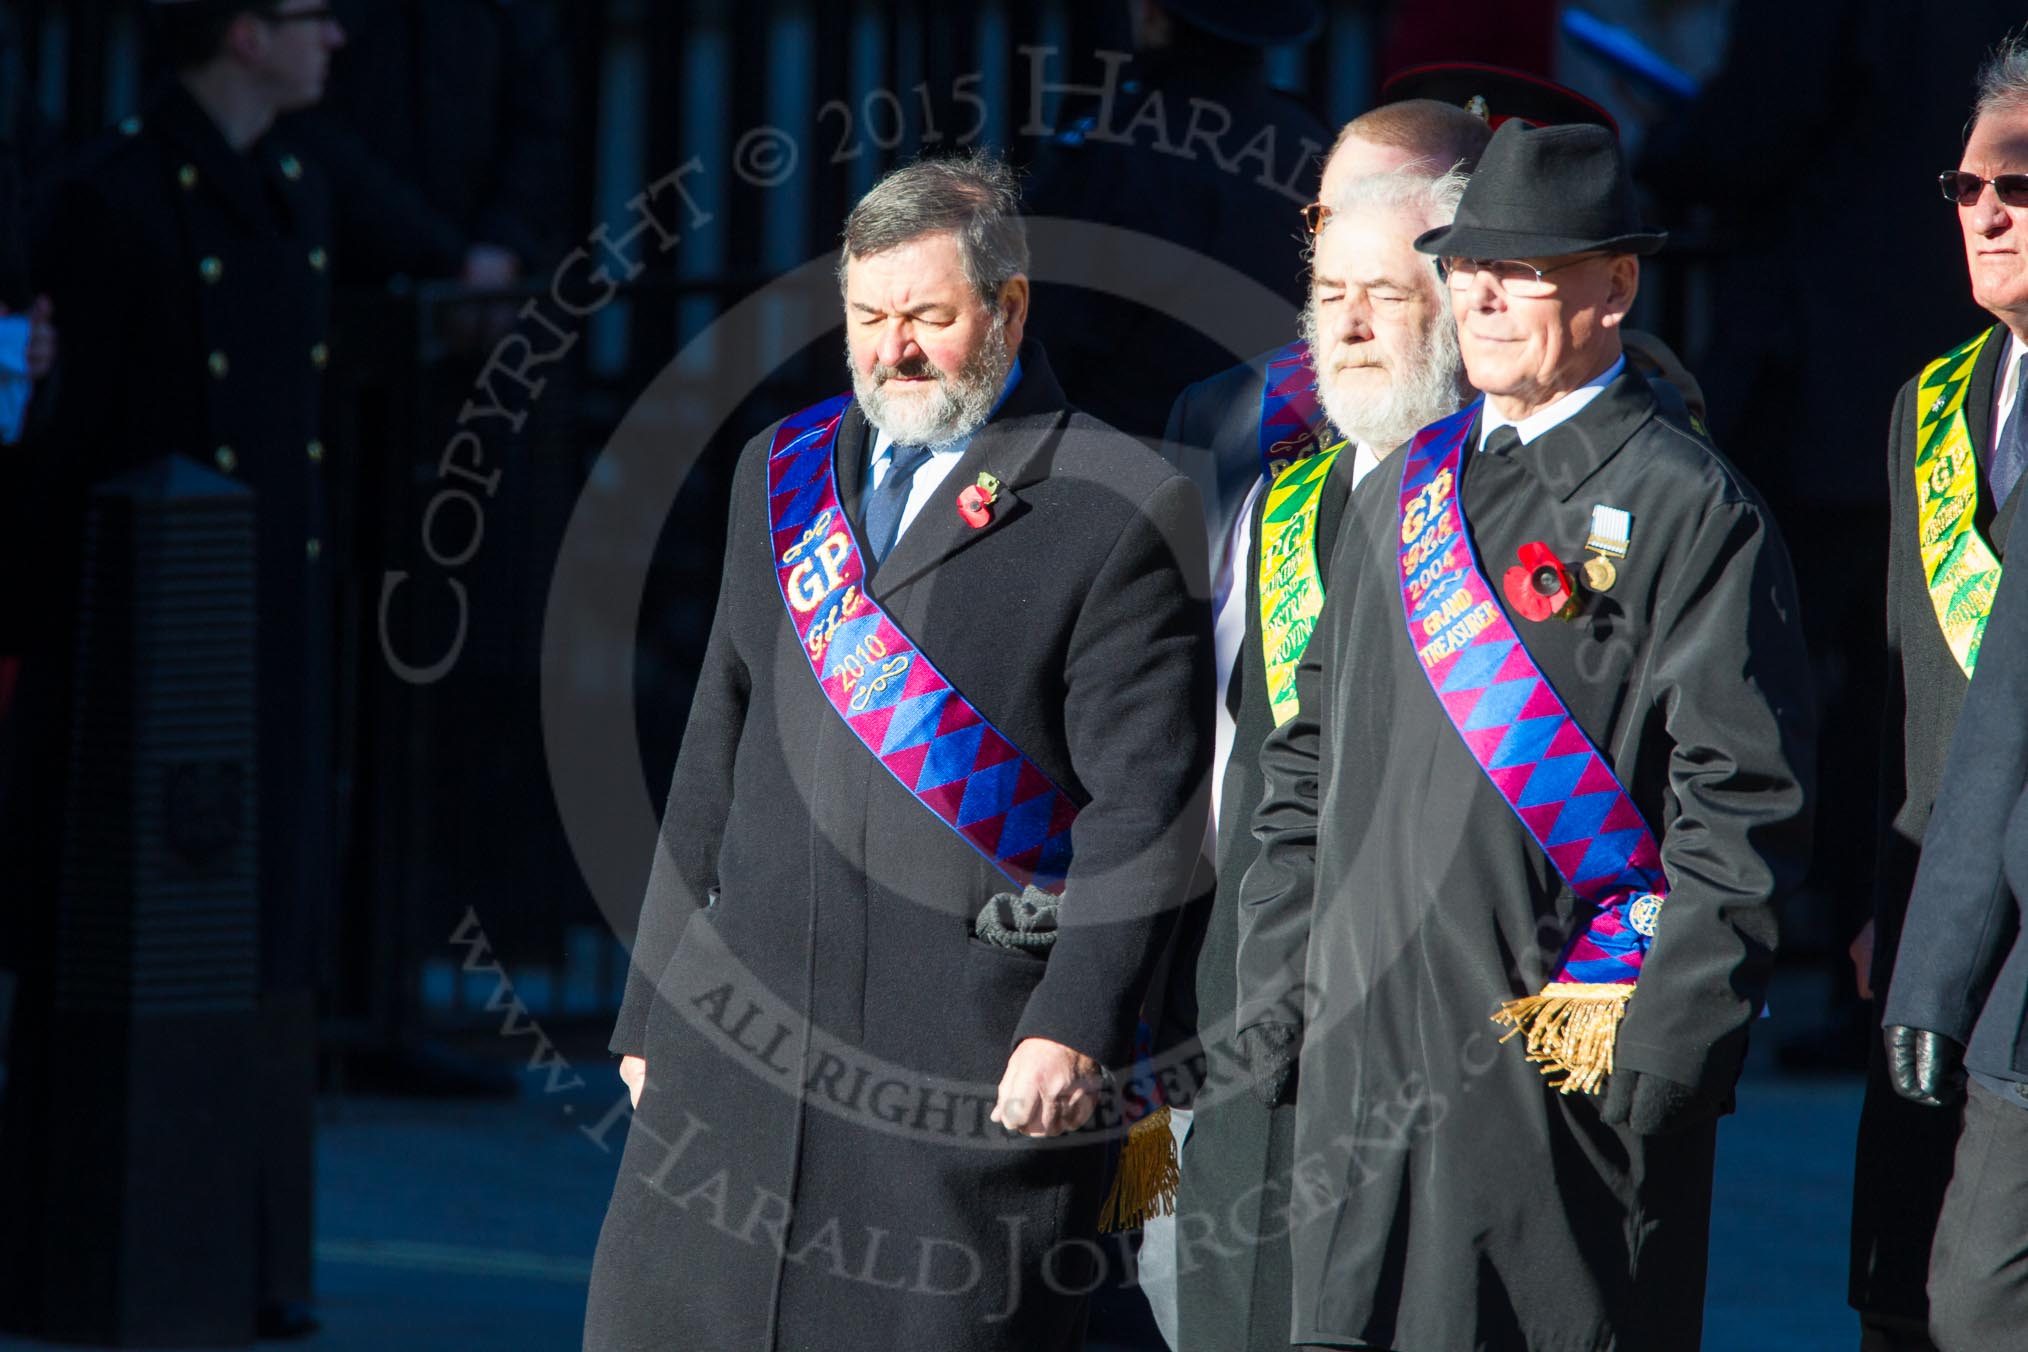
1549 777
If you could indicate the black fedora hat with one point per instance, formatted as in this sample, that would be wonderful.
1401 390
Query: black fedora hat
1497 93
1542 192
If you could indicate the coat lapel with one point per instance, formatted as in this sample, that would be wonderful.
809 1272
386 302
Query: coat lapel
1014 447
1979 396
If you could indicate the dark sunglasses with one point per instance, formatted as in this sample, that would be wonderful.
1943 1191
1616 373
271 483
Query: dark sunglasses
1964 188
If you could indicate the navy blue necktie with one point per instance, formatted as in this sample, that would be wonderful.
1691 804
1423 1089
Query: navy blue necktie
884 504
2010 455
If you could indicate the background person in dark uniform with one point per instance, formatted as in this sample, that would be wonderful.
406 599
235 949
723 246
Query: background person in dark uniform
1193 131
189 254
443 138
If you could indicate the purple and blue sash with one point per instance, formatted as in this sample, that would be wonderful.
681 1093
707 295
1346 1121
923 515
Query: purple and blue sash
1537 756
915 722
1291 422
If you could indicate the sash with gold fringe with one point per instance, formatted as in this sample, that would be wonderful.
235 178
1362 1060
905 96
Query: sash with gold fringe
1544 766
1959 568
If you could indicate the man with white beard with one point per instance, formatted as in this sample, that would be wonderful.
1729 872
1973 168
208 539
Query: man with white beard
957 616
1379 331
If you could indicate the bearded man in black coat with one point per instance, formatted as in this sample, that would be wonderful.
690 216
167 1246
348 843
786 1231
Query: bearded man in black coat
961 652
1489 787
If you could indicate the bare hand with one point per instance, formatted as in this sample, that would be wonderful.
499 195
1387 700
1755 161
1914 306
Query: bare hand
1048 1089
634 1074
1862 961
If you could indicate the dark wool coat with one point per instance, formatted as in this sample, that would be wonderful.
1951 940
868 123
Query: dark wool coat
1446 1198
811 1165
1962 969
1903 1161
1233 1261
192 290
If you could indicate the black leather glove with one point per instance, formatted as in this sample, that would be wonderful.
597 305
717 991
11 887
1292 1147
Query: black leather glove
1649 1105
1271 1051
1923 1066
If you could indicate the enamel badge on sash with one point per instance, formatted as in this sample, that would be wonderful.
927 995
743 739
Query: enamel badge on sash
1611 533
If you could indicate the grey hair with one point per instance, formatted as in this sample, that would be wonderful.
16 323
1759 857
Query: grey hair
975 196
1434 197
2003 78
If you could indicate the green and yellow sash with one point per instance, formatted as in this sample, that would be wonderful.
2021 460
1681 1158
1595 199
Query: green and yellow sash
1958 566
1291 585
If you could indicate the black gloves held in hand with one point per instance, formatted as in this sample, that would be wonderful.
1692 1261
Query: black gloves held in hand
1925 1067
1649 1105
1271 1051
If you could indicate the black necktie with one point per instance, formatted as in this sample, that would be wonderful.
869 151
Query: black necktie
2010 455
1501 440
884 504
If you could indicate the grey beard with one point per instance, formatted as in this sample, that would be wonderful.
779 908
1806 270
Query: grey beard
959 406
1416 396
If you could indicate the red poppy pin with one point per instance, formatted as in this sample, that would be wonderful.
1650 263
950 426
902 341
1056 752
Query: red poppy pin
975 504
1540 586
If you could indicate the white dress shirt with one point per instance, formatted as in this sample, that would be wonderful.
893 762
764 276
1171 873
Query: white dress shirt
1564 409
2008 390
930 475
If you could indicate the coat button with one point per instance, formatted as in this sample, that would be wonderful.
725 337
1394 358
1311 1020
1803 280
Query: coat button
130 126
318 259
227 461
218 365
292 168
319 355
187 176
211 269
312 547
316 450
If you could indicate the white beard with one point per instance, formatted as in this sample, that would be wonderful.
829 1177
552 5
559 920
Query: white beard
1418 394
958 407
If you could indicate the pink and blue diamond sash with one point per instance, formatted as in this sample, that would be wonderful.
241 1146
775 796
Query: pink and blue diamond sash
1524 738
1291 422
893 698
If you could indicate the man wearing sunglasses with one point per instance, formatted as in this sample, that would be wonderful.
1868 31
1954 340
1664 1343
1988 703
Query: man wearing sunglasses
1548 771
1953 1007
187 253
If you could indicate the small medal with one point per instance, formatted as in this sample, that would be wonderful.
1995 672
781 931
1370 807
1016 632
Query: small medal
1611 533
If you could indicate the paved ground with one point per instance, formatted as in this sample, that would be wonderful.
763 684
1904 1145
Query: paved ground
471 1225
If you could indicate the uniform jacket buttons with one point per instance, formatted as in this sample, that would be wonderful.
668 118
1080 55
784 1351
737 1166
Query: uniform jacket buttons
292 168
187 176
218 365
320 354
227 461
319 259
313 547
211 269
316 450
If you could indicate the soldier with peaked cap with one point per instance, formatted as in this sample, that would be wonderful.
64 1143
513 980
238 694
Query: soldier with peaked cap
1548 779
961 646
1950 876
187 253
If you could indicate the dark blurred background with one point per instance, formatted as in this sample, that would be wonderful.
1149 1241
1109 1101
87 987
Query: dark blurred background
475 145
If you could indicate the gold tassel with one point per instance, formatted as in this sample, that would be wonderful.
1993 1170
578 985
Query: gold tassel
1145 1185
1570 1028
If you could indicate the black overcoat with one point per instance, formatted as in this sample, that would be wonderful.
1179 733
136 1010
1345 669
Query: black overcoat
1445 1197
820 1173
1962 969
1903 1160
191 286
1233 1262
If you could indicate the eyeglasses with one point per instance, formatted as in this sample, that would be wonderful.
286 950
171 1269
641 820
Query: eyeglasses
1314 216
1965 189
1511 275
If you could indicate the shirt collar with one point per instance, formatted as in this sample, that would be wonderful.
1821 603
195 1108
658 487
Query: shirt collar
883 444
1535 424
